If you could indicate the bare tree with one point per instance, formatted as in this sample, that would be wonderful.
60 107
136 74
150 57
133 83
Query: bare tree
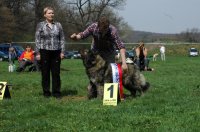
75 15
83 12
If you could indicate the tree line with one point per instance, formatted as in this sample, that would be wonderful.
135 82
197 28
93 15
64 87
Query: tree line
18 18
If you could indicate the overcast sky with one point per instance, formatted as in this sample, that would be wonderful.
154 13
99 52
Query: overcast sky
162 16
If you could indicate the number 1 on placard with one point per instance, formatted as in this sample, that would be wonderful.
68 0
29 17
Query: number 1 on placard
110 94
111 88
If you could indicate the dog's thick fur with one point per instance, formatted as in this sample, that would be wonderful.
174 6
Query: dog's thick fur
100 72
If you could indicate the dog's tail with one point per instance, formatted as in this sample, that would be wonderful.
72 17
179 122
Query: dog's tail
142 79
145 85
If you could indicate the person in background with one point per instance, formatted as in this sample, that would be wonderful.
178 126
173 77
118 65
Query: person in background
105 41
50 45
26 58
162 52
12 55
141 57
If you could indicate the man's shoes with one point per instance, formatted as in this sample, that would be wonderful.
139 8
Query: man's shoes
47 95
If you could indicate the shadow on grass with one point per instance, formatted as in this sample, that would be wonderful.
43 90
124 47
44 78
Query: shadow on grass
69 92
64 69
72 95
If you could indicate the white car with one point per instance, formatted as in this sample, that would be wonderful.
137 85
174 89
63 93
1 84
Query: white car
193 52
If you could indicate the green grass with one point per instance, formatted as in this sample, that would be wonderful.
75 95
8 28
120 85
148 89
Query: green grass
171 104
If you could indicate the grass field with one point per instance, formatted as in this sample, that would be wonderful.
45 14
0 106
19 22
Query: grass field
171 104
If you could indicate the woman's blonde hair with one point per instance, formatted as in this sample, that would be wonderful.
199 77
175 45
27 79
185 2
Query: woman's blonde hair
141 44
47 8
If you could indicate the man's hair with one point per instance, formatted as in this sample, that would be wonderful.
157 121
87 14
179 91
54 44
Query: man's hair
47 8
103 23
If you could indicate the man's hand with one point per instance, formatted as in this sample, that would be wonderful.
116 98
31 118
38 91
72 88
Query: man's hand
73 36
123 59
124 67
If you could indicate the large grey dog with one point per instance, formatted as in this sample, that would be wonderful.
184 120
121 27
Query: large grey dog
100 72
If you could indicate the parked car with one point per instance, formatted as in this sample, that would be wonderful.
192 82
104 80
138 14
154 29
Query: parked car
193 52
130 54
77 55
3 56
5 49
69 55
72 55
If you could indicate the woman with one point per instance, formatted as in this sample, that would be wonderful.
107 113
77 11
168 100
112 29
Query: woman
50 44
141 58
141 54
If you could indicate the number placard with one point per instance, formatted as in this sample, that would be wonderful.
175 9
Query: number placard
110 94
4 91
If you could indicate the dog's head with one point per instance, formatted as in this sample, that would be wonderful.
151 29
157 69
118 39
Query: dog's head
91 59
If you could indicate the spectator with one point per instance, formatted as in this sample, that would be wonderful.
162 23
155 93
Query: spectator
141 57
162 52
50 45
12 55
26 59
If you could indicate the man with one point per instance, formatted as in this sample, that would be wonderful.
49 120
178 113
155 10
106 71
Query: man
12 55
105 41
162 52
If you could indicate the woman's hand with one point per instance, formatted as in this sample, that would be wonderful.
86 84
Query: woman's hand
62 55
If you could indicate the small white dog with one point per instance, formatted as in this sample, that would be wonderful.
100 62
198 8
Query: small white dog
155 56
